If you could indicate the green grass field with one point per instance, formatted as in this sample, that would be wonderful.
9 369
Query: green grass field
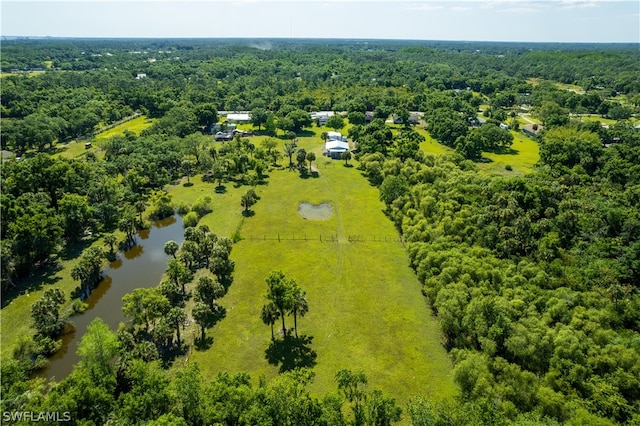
136 125
526 154
366 308
76 149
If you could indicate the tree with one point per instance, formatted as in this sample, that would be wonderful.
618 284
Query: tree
270 124
280 294
248 199
206 114
98 350
298 119
324 136
446 125
353 386
335 122
346 156
299 304
552 114
268 144
392 188
202 315
176 317
179 274
110 240
193 146
171 248
187 165
357 118
301 156
269 314
259 117
45 313
208 290
76 213
310 158
289 150
144 306
88 270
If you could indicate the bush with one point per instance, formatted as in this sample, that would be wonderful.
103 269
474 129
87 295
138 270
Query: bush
191 219
183 208
508 167
202 206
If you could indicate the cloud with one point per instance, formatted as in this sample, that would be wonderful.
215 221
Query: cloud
426 6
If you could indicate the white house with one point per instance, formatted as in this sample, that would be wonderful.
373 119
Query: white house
321 116
334 136
239 117
335 148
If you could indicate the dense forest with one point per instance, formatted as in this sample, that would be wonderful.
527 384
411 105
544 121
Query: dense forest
532 277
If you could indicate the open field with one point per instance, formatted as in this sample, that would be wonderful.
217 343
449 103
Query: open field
136 125
72 149
366 309
526 154
76 149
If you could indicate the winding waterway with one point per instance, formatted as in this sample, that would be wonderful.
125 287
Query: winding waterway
140 266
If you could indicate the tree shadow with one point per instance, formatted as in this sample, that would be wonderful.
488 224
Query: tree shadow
291 352
187 184
169 354
221 189
44 276
304 174
347 165
248 213
203 344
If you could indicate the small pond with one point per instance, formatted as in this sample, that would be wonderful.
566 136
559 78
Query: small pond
315 211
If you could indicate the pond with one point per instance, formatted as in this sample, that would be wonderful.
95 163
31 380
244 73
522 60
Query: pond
315 211
140 266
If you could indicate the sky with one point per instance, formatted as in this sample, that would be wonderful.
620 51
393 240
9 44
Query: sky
490 20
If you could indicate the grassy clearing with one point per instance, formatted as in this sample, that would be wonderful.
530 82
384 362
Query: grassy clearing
136 125
366 309
77 149
72 150
526 154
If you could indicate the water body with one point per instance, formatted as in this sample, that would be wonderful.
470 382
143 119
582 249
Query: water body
140 266
315 212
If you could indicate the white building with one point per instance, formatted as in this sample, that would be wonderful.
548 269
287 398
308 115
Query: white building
335 148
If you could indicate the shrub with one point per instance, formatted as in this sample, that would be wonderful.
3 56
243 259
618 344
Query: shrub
183 208
508 167
191 219
202 206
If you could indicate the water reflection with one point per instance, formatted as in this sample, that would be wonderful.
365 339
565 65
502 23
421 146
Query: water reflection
141 266
167 221
133 252
115 264
103 287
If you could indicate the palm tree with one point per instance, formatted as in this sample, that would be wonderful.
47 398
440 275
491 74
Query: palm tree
324 136
299 305
311 157
110 240
279 293
290 149
269 315
177 317
171 248
346 156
